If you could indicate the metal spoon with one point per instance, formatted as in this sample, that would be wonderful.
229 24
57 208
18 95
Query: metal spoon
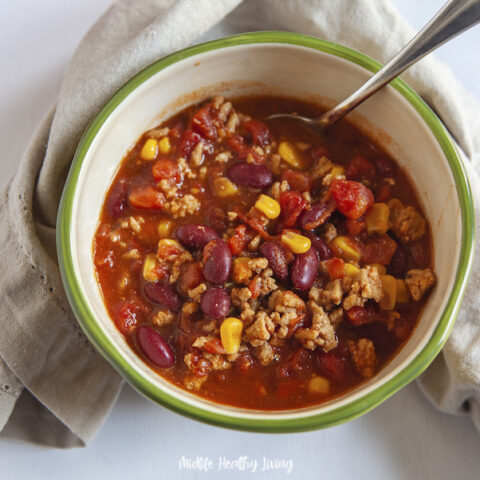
455 17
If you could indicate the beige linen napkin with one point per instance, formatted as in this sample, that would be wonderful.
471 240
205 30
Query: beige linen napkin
54 388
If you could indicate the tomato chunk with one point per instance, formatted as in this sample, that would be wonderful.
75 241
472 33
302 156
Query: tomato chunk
239 241
352 198
259 131
188 141
379 250
148 198
335 268
297 180
202 124
292 204
166 169
355 227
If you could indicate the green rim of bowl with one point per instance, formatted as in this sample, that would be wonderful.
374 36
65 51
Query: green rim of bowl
337 415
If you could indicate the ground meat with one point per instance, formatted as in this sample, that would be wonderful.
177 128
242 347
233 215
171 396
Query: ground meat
369 287
158 132
258 264
265 354
254 243
260 330
232 123
406 222
190 307
329 296
419 282
277 188
178 262
264 284
363 355
223 111
183 206
185 169
241 298
336 317
321 333
223 157
289 310
163 317
196 293
196 157
329 232
320 168
192 382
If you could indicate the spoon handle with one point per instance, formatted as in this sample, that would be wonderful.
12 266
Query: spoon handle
455 17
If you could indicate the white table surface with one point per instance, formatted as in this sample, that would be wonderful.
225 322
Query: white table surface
404 438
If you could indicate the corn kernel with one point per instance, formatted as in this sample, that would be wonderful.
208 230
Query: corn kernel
231 334
377 218
149 149
389 292
345 248
164 145
268 206
337 171
319 385
149 268
291 155
403 296
381 269
223 187
351 271
165 228
295 242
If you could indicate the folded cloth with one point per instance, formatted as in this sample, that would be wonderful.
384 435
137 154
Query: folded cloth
54 388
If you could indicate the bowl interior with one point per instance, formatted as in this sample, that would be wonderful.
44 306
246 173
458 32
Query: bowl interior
261 68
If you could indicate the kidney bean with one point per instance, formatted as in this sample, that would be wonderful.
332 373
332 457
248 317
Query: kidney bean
215 303
250 175
275 254
317 215
155 347
304 269
320 246
217 263
190 277
193 235
163 295
118 200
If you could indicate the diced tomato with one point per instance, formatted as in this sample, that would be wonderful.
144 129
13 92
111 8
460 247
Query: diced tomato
361 315
214 346
188 141
297 180
359 168
166 250
166 169
333 365
355 227
254 287
352 198
238 145
296 362
202 124
259 131
292 204
335 268
239 241
148 198
379 250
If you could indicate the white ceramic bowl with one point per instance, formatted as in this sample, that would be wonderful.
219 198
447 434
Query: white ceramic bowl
292 65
